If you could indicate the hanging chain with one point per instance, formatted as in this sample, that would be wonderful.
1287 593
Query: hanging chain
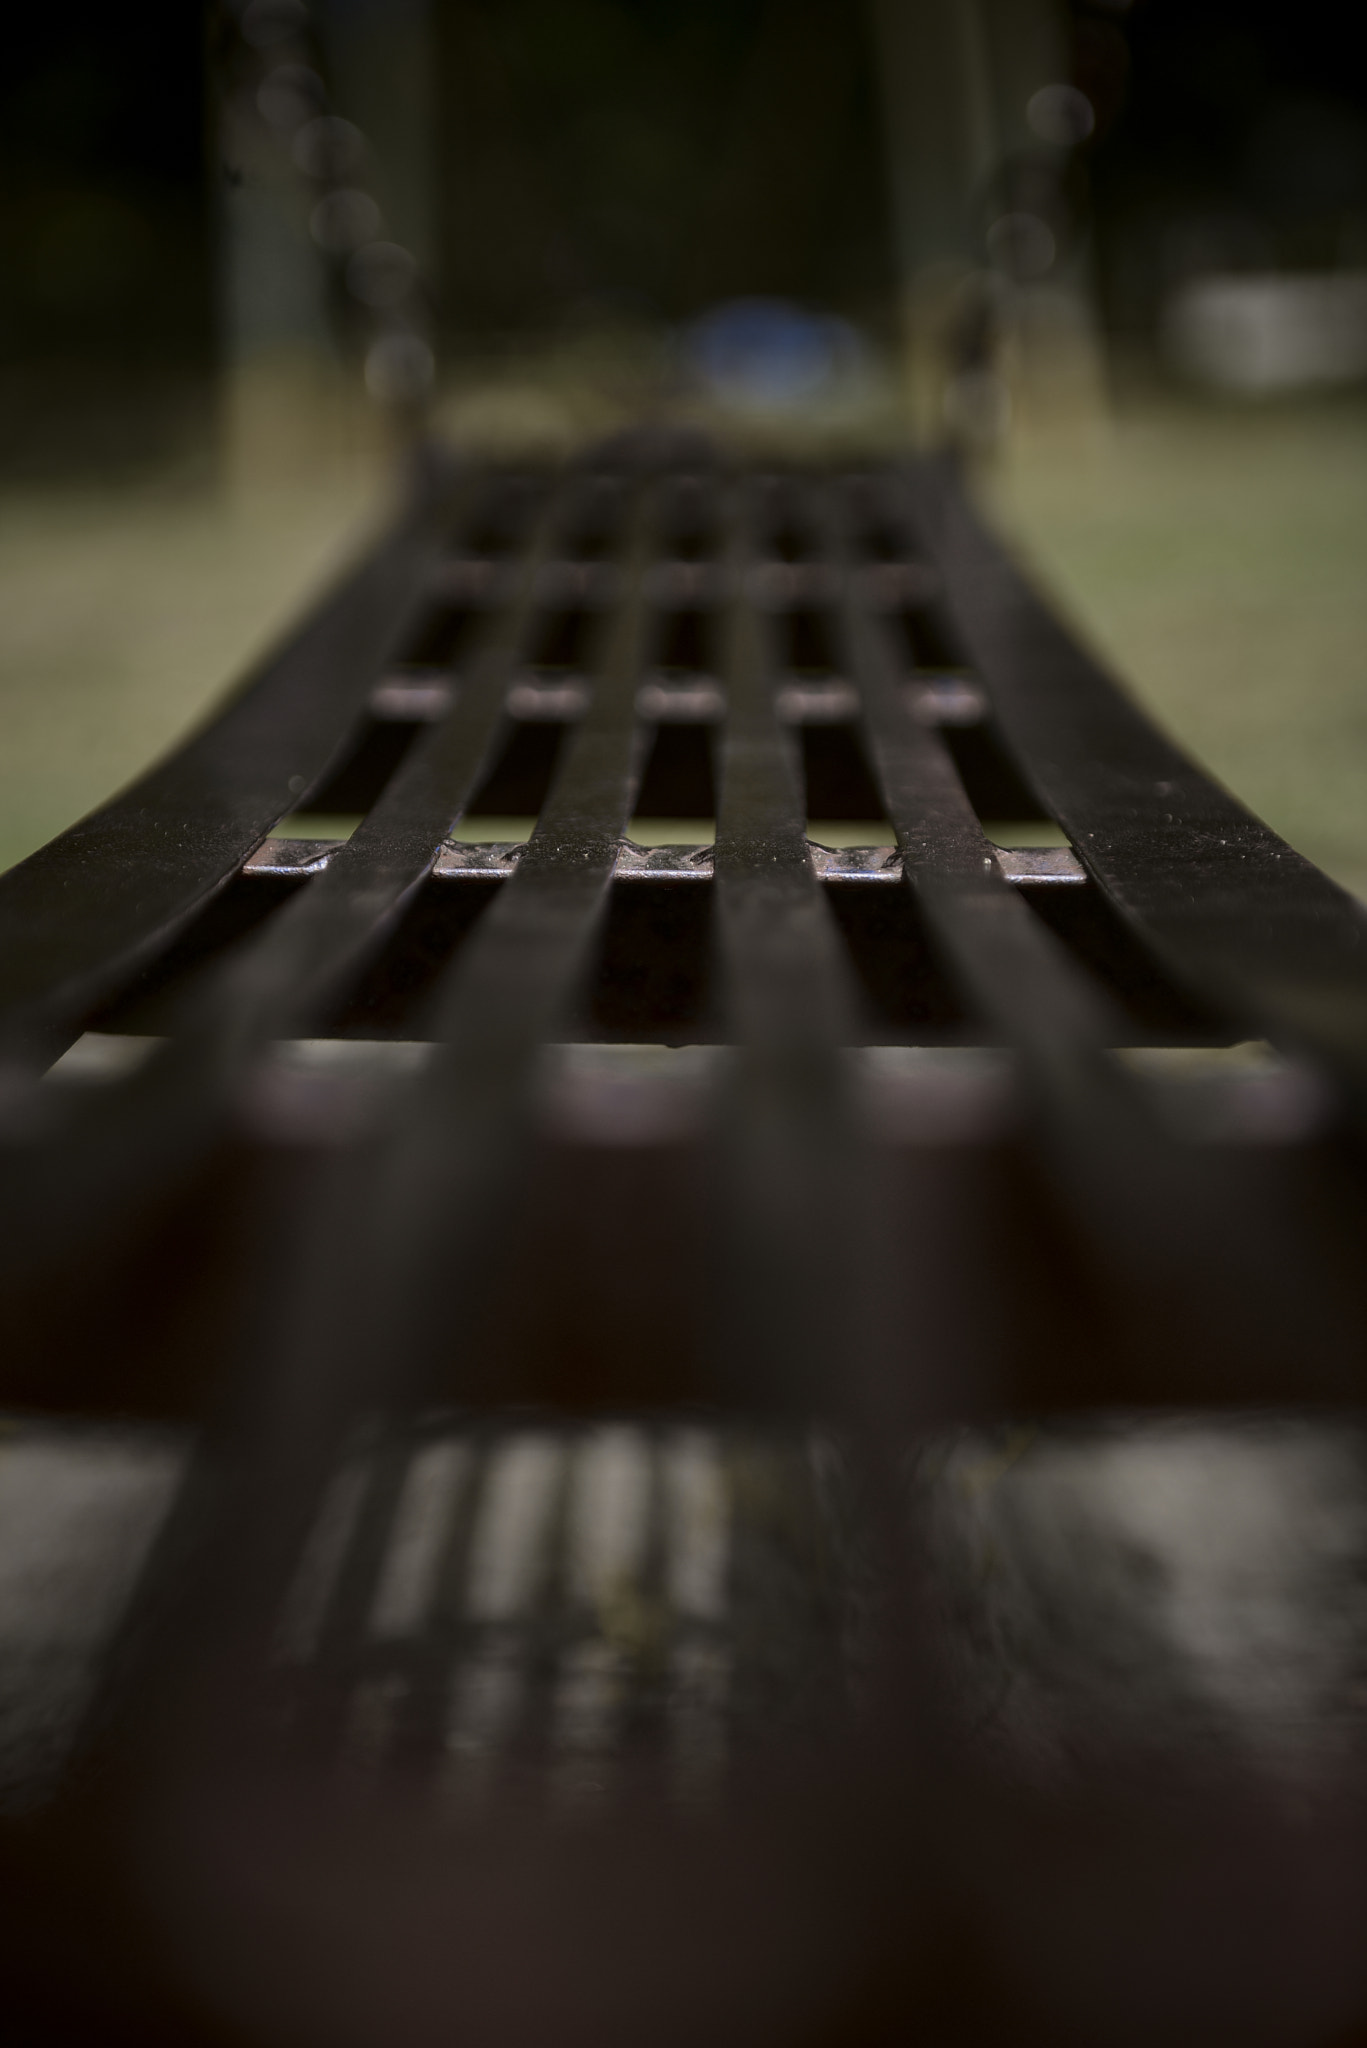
276 112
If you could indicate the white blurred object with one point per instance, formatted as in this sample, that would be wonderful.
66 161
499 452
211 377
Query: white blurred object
1270 332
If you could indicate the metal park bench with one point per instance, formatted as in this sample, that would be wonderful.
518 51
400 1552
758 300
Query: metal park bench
572 1373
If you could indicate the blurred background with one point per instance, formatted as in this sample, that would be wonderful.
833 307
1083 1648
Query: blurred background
1117 253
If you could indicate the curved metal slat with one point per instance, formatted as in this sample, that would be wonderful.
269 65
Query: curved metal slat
1236 912
283 983
357 1307
399 1241
789 1188
1183 1234
84 911
136 1141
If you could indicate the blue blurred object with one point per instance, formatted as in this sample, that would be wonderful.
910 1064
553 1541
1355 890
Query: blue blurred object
767 355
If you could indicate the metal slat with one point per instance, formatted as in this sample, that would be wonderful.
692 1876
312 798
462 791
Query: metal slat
1231 907
400 1240
87 909
306 1360
129 1146
290 975
1183 1235
791 1308
455 1166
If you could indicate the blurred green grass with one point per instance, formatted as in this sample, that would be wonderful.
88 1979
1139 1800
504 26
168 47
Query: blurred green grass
1215 554
127 610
